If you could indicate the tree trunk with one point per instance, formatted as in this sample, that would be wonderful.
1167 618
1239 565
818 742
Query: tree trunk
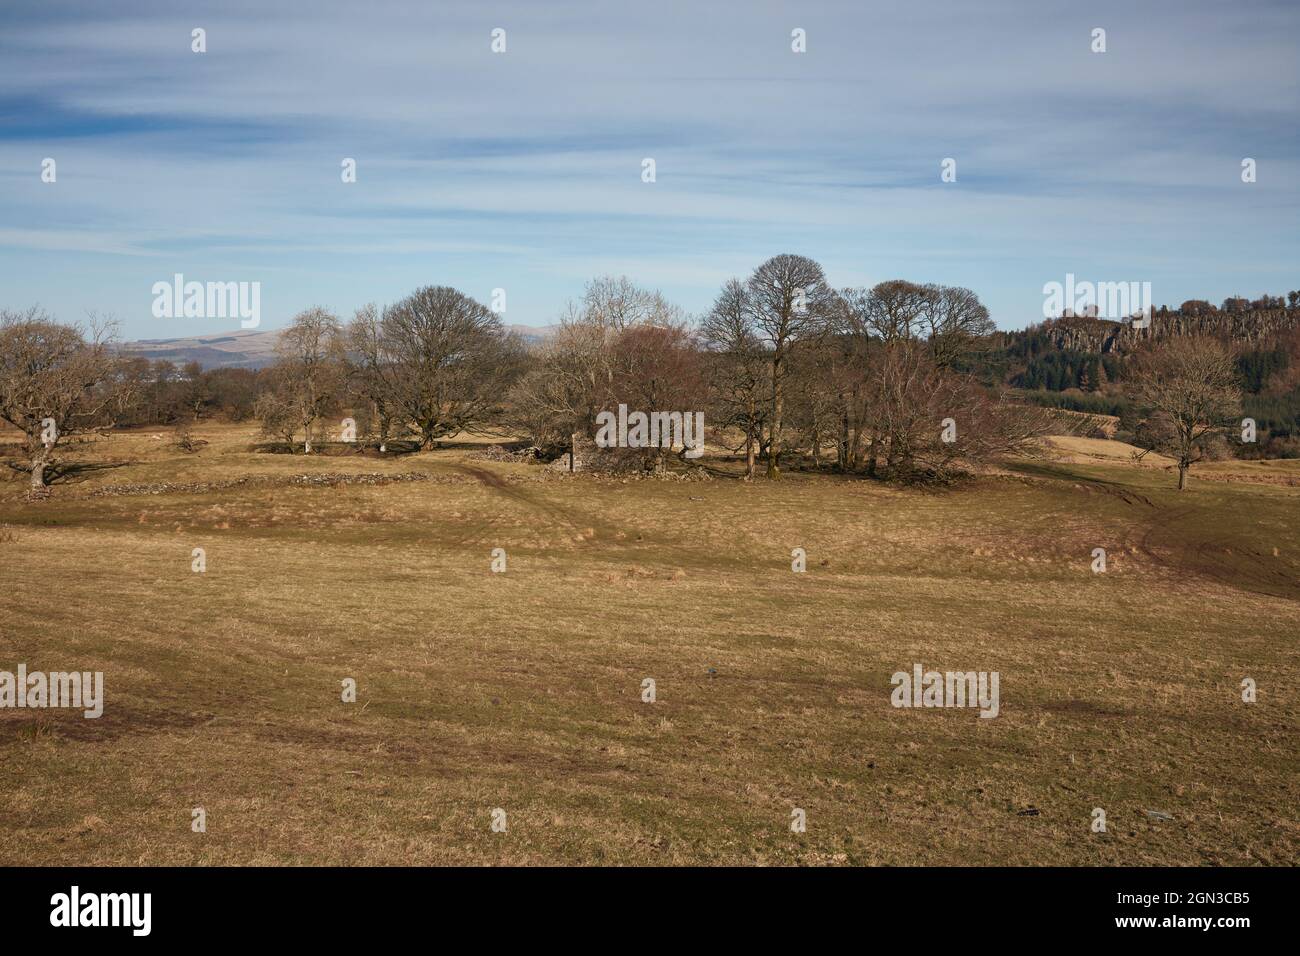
1182 476
39 464
843 450
854 426
778 406
573 450
750 437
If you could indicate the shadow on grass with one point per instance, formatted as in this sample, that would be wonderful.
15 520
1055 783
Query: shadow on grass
70 472
338 449
1058 472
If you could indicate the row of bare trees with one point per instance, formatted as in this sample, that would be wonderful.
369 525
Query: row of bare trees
620 344
781 364
781 356
435 364
871 370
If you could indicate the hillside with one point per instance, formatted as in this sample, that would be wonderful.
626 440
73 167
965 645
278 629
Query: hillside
1247 325
248 349
1081 363
238 349
523 689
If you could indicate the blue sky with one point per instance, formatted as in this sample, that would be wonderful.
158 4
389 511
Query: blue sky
522 170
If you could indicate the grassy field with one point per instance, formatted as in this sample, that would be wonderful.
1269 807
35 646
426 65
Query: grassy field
522 690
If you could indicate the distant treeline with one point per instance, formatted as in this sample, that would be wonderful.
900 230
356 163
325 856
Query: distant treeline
1080 363
899 379
1117 404
1057 371
168 394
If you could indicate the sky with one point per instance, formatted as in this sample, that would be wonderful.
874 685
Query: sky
522 170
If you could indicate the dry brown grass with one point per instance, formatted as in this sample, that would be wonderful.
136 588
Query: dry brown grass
522 690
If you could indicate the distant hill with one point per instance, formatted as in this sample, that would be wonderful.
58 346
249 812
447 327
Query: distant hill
1080 363
251 349
239 349
1249 325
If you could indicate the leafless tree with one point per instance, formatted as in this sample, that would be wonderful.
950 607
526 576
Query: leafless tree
953 320
309 373
55 381
448 362
852 380
933 422
1189 387
657 368
787 300
949 319
275 409
890 312
566 384
368 365
616 303
884 324
738 368
923 416
571 378
816 392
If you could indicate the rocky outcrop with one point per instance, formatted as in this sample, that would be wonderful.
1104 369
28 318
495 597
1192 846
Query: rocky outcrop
1248 327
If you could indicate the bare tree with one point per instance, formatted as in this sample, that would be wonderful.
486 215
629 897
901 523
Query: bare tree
737 367
891 311
884 324
953 320
309 372
55 381
275 409
568 382
616 303
572 377
787 300
368 365
815 392
960 423
924 417
448 362
657 368
852 380
196 388
949 319
1189 387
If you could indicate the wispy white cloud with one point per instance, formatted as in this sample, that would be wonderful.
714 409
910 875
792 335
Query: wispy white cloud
523 170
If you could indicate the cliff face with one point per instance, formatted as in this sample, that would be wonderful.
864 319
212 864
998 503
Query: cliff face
1249 327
